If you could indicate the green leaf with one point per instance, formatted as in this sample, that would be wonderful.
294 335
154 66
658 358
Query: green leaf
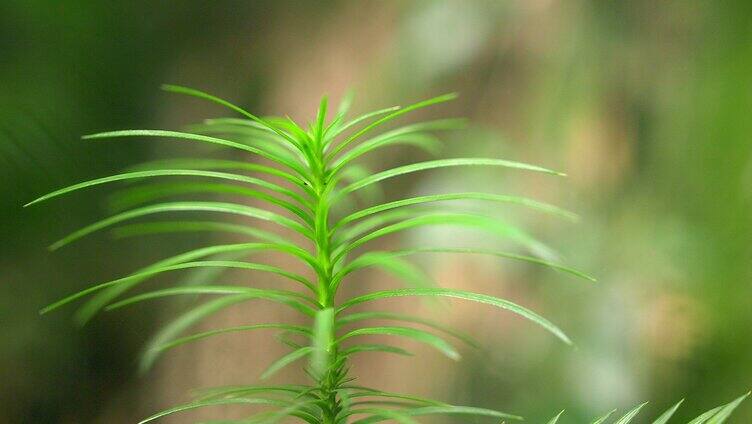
211 98
411 333
663 419
360 119
374 222
374 347
241 328
163 227
393 316
629 416
435 164
239 391
217 164
289 298
495 226
450 409
185 321
555 419
705 416
286 360
725 412
454 196
249 133
151 271
202 139
216 402
294 410
372 194
459 294
405 271
136 196
219 207
383 414
318 130
374 257
408 134
173 173
361 391
110 293
603 419
387 118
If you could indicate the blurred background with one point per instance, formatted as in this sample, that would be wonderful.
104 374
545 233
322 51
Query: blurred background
645 104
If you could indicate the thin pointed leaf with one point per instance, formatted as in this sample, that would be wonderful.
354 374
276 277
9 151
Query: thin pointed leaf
450 409
206 96
440 163
387 118
172 173
454 196
217 164
241 328
411 333
239 391
361 391
219 207
460 294
603 419
372 223
383 414
286 360
185 321
217 402
406 272
136 196
375 347
663 419
202 139
285 297
372 194
294 410
393 316
321 119
705 416
629 416
727 410
372 258
103 298
250 132
555 419
151 271
360 119
407 134
162 227
495 226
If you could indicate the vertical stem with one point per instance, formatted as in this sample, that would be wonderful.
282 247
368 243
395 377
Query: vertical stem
329 382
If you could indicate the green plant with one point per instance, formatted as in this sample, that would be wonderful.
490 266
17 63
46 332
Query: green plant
716 415
309 180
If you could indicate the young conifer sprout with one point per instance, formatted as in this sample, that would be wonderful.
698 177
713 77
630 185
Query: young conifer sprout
312 189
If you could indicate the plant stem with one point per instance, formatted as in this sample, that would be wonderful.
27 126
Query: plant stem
330 380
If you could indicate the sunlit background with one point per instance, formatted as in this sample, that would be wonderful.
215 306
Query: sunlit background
645 104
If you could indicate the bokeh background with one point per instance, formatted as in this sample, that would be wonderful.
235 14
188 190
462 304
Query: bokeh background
645 104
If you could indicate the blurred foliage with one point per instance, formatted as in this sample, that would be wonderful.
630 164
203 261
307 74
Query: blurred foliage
643 103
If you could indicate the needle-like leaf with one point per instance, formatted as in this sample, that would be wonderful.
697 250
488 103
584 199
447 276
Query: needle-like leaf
411 333
459 294
437 164
629 416
663 419
555 419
